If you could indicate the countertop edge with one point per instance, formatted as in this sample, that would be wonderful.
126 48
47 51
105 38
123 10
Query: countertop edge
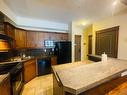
3 76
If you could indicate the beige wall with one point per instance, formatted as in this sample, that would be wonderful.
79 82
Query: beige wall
77 30
119 20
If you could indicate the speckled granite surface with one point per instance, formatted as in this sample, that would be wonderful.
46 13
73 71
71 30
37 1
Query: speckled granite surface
2 77
68 65
25 60
81 77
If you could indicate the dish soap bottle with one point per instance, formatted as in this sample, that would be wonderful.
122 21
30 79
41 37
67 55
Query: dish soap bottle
104 57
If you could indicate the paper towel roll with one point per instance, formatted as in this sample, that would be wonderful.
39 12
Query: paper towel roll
104 57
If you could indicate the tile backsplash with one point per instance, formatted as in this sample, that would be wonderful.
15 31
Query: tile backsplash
27 52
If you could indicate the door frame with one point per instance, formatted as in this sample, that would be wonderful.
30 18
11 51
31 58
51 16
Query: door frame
80 46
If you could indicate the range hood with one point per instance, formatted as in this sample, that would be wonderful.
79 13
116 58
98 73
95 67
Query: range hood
4 46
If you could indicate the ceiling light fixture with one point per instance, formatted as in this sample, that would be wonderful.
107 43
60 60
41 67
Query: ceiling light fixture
124 1
83 23
115 3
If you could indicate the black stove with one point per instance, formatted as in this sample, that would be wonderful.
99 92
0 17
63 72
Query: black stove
16 76
6 67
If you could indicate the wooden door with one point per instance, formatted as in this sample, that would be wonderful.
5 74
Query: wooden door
90 44
107 41
77 47
20 37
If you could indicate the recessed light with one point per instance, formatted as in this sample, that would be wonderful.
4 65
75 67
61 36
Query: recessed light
83 23
115 3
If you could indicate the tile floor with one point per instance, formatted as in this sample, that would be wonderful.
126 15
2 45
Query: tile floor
42 85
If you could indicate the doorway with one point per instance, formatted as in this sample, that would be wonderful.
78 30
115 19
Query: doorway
90 44
77 47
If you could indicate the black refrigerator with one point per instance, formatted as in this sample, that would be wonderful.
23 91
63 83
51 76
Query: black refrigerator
63 51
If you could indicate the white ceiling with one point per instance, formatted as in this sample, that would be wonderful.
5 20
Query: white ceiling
64 11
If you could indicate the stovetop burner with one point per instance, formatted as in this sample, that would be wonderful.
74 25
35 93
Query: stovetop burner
6 67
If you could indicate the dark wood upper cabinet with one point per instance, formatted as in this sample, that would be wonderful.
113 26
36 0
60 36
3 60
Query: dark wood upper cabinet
107 41
32 39
20 38
9 29
1 23
36 39
5 27
40 40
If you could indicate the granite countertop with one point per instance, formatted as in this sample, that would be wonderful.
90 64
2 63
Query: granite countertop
68 65
79 78
27 59
24 60
2 77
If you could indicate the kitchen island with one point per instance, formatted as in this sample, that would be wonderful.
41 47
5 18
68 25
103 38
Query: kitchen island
77 78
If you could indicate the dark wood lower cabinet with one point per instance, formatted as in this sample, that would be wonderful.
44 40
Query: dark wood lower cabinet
117 86
54 60
109 88
5 88
29 70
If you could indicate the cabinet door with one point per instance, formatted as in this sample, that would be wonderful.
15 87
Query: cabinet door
9 29
5 87
1 23
40 42
29 70
32 39
20 37
65 37
53 60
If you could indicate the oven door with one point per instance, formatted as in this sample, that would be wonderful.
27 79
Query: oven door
17 84
16 79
